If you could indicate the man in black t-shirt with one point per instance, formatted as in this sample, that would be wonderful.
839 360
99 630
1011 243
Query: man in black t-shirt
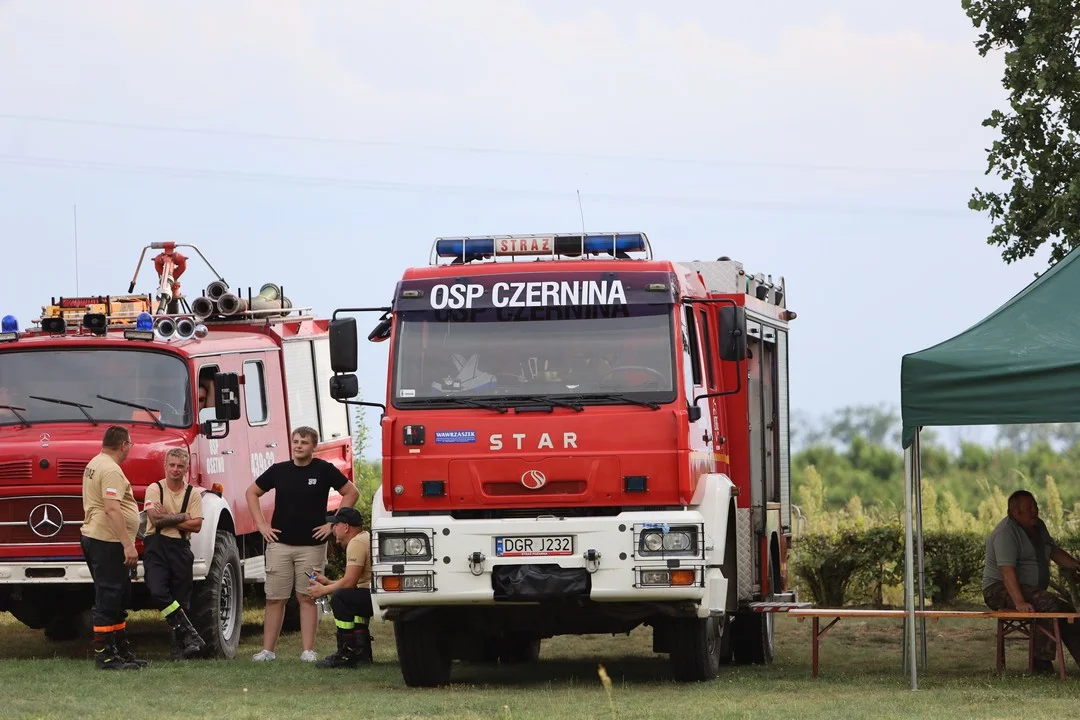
296 536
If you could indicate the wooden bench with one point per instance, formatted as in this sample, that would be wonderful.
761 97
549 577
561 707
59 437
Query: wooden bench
1009 622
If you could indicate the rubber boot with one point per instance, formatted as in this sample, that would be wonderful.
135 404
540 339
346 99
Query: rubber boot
188 640
346 652
105 655
362 643
124 650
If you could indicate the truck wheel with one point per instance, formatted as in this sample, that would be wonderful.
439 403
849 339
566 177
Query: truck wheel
290 623
519 650
696 646
217 602
422 653
70 626
753 638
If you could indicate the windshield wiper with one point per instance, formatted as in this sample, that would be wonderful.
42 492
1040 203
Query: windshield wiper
145 408
15 411
462 401
619 398
69 403
543 400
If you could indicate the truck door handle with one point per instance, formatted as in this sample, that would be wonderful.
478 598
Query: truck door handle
226 452
271 445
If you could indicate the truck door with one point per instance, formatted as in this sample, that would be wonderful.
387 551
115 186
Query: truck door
225 460
264 412
694 380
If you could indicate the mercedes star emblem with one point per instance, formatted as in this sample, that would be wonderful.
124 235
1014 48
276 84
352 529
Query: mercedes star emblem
45 438
46 520
533 479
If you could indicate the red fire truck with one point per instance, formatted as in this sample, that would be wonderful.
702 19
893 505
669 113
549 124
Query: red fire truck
579 438
139 361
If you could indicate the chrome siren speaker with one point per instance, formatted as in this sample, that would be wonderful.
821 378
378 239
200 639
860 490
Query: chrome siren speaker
216 289
202 307
165 328
201 331
185 328
229 304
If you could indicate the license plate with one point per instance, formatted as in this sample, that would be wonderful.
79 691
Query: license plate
528 545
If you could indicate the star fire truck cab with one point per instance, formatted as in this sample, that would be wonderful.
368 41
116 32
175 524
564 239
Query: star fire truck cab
579 438
224 378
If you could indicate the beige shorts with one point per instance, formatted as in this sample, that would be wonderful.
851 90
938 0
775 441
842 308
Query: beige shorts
287 567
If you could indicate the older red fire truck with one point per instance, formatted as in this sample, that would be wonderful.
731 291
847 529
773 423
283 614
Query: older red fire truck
140 361
579 438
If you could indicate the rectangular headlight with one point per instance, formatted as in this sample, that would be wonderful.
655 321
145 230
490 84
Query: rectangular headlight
404 547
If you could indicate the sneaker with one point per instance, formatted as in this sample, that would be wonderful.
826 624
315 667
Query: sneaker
308 656
264 656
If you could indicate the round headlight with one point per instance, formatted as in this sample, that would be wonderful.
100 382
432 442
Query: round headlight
653 541
393 546
677 541
415 546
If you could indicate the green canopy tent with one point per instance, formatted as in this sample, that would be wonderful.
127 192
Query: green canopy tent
1020 364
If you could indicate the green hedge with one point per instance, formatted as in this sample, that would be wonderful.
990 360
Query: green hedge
860 566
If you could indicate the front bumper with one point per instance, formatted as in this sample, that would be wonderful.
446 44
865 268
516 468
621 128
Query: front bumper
606 550
64 571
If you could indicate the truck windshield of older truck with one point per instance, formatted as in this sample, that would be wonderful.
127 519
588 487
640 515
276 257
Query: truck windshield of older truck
591 354
66 385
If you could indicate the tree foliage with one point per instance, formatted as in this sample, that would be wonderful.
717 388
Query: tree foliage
1037 154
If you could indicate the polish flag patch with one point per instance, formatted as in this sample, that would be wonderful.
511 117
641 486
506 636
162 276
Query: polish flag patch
111 492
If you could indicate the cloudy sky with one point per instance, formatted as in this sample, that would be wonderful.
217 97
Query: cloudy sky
324 145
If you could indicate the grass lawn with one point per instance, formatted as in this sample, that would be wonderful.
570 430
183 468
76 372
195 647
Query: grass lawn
861 677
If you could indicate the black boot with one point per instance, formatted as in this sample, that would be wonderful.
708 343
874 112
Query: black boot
345 655
187 640
105 654
124 651
362 643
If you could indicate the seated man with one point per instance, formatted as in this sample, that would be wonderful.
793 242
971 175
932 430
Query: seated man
206 401
1017 573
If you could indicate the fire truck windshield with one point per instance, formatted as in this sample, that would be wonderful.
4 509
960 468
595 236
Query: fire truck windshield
65 385
597 355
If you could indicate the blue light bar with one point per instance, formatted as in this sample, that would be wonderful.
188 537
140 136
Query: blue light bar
145 321
501 245
9 324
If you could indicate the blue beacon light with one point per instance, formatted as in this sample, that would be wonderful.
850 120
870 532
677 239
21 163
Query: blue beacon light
9 324
145 321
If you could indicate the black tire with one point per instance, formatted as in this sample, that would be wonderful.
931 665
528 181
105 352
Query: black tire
290 623
35 614
753 638
217 603
696 645
519 650
423 653
70 626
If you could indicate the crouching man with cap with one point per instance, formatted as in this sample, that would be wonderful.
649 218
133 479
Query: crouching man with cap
351 595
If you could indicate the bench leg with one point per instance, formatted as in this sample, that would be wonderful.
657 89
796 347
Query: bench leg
1033 628
814 650
1060 650
1000 661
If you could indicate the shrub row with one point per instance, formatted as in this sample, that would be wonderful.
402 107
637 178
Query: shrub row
861 566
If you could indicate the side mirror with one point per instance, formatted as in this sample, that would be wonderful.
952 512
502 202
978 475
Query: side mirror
227 396
732 333
344 387
343 345
382 330
214 430
693 413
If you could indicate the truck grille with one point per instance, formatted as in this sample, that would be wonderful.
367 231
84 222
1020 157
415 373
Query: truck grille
70 469
17 470
515 488
15 519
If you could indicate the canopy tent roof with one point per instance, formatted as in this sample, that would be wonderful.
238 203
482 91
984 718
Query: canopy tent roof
1020 364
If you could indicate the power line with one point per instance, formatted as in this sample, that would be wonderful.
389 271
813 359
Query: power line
431 188
481 150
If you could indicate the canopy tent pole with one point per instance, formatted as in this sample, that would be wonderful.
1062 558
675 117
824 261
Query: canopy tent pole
916 461
909 565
